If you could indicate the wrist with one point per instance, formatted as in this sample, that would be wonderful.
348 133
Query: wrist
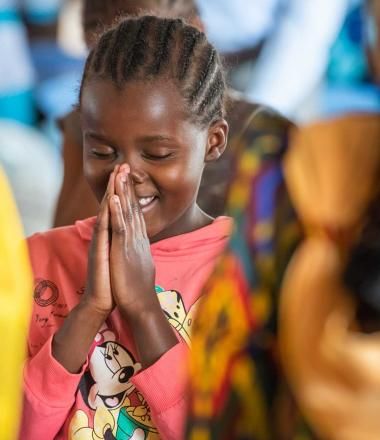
140 310
89 308
73 340
153 335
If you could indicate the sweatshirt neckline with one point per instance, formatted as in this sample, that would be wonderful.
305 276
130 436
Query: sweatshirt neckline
220 228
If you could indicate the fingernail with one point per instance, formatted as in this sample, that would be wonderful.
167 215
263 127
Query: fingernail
115 199
124 178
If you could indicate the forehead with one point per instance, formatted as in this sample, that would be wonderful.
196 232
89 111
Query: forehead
139 108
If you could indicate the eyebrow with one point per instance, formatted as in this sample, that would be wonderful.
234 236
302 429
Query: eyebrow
156 138
143 139
98 137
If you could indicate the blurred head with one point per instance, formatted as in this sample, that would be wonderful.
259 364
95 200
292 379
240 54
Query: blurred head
152 96
99 15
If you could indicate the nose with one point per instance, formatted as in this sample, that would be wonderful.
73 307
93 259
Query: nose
136 170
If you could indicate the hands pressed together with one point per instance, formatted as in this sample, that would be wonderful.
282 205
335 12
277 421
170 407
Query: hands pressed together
121 274
121 271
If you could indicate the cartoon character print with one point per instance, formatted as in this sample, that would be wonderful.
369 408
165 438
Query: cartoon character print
174 308
121 412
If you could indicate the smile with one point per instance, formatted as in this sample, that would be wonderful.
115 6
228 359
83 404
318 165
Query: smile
112 402
146 202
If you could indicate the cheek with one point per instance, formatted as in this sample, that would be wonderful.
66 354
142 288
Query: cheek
186 173
97 175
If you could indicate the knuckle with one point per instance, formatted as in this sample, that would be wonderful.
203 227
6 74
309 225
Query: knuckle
119 231
135 207
97 226
129 216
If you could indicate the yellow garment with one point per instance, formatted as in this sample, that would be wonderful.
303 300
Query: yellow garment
15 305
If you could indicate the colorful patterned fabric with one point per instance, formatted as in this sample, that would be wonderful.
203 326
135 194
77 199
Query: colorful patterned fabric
236 390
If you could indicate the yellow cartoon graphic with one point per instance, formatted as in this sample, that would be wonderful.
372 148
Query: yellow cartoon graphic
174 308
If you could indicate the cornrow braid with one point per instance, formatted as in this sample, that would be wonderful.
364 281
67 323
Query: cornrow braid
191 39
138 51
148 48
165 39
205 72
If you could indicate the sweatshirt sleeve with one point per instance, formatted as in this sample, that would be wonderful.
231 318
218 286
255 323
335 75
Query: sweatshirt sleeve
165 387
49 394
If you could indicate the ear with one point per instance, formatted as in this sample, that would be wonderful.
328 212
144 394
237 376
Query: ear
197 23
217 140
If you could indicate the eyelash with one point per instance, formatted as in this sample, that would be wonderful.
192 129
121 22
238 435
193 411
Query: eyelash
102 156
144 155
154 157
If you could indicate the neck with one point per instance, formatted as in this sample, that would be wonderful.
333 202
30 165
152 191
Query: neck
194 218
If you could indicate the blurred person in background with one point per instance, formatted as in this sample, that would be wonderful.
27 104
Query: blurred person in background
17 75
278 49
349 84
245 119
15 287
34 172
27 156
298 360
58 67
330 302
329 305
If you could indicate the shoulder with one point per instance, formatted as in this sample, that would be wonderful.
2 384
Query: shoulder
51 236
253 115
56 244
264 118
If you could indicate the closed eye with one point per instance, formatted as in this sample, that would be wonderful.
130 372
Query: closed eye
102 154
157 156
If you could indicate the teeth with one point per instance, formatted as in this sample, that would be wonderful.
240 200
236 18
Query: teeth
144 201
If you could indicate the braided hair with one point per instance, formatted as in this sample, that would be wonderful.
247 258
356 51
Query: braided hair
100 13
150 47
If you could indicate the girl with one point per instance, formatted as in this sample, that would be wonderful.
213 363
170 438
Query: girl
76 201
106 351
248 121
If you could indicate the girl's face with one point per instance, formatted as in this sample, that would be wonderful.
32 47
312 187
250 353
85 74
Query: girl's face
144 125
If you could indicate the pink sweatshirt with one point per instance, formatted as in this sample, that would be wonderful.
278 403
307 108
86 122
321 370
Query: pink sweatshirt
111 397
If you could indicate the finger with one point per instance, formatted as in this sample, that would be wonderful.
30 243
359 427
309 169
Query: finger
120 191
133 205
138 214
142 224
111 182
99 249
102 221
119 230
